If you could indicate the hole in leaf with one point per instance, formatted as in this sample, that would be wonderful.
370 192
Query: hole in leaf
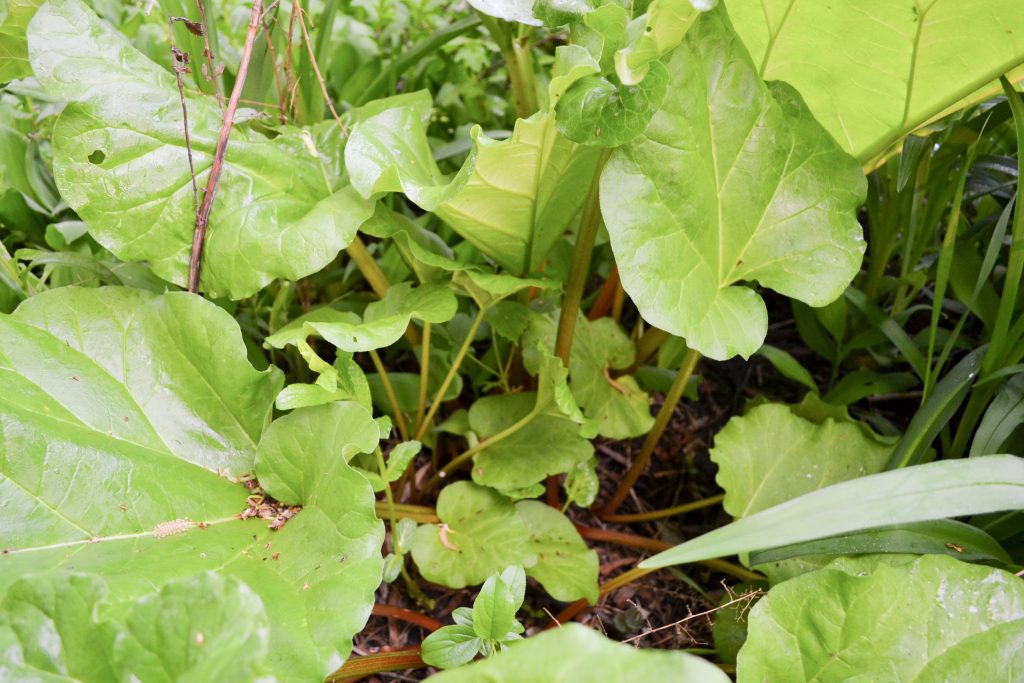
97 156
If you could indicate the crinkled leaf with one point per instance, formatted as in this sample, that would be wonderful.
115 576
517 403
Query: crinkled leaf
573 653
771 454
204 627
899 619
383 322
513 199
479 535
948 488
283 207
49 628
451 646
566 567
873 72
732 181
598 111
118 409
548 444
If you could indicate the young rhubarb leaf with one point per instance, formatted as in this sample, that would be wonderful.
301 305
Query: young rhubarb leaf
773 454
733 181
550 443
479 535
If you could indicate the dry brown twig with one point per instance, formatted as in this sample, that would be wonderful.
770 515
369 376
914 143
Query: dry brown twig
747 597
227 121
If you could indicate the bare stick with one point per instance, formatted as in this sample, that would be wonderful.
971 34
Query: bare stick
180 68
203 217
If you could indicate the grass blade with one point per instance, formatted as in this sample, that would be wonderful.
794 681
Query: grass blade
948 488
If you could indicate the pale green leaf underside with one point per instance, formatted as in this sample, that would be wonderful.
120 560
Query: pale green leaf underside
573 653
771 455
928 620
513 199
874 70
117 410
948 488
382 324
732 181
282 210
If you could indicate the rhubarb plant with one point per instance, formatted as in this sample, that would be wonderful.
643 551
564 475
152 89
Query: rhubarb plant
314 313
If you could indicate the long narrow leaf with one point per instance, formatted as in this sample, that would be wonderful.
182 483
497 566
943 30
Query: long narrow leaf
937 490
949 393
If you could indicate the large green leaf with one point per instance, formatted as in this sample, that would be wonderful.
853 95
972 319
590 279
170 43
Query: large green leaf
14 18
873 71
948 488
513 199
573 653
929 620
772 454
732 181
283 207
127 419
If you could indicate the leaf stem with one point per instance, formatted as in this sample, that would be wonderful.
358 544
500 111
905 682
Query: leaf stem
667 512
665 413
470 452
366 264
421 403
580 265
417 513
450 376
389 390
406 615
360 667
